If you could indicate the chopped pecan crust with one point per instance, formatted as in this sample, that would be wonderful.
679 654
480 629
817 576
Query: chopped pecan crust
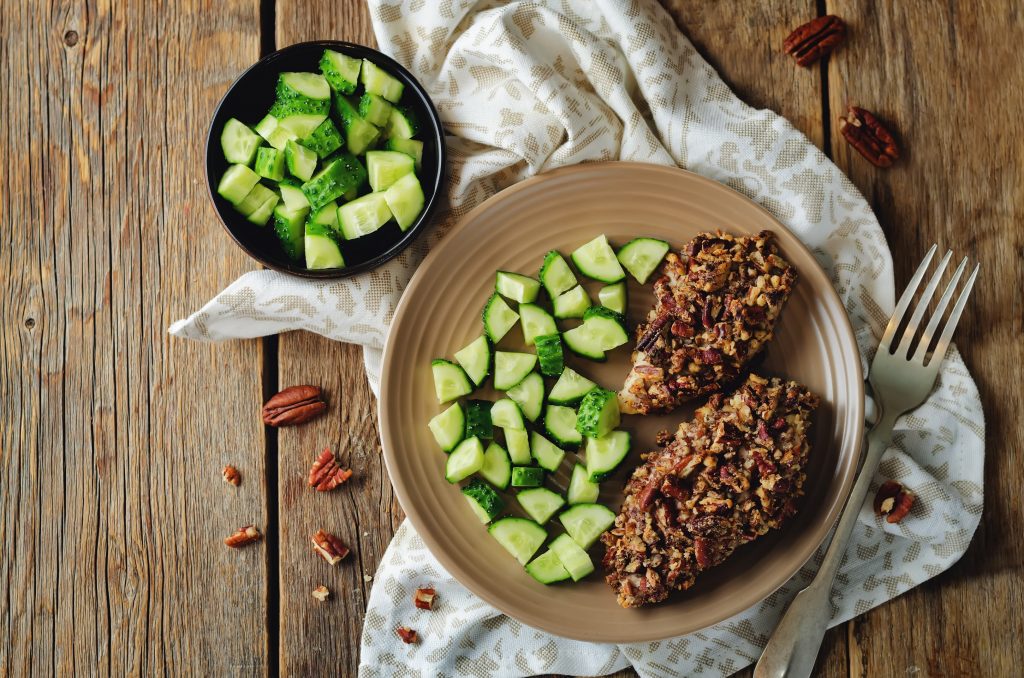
326 474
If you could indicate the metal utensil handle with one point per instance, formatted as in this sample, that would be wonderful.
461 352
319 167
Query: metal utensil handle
793 647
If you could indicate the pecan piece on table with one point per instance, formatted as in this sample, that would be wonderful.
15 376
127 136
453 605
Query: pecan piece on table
326 474
232 476
424 598
321 593
293 406
330 548
893 501
869 137
815 39
244 535
407 635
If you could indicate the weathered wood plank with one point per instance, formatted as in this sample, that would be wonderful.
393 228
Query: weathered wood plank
113 435
949 77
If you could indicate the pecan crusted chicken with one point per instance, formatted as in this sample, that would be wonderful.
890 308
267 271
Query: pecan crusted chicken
727 477
715 309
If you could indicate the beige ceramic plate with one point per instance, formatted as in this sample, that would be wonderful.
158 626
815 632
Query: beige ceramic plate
440 313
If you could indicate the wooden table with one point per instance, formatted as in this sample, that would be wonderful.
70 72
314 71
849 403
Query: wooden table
114 434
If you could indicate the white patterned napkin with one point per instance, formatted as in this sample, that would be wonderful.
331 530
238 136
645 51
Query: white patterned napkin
528 86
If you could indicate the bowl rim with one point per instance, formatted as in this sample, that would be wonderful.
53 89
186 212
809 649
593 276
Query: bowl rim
422 222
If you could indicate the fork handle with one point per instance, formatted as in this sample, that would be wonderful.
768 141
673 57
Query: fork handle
793 647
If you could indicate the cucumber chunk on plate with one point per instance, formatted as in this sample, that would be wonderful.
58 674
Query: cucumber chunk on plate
449 427
605 454
521 288
386 167
323 140
321 247
555 274
410 147
540 503
340 71
511 368
450 382
237 182
607 326
574 559
334 180
478 419
405 200
598 414
506 414
582 490
293 197
475 358
363 216
614 297
484 501
560 424
466 459
269 163
375 109
519 536
641 256
529 395
290 228
536 322
571 304
547 568
239 143
527 476
586 522
548 455
256 198
517 440
597 260
549 354
378 81
570 388
582 341
360 134
402 124
498 318
275 135
497 468
300 160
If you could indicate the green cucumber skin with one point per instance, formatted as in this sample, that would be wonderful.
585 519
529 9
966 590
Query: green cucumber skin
324 140
550 354
478 419
527 476
485 496
333 181
333 66
591 411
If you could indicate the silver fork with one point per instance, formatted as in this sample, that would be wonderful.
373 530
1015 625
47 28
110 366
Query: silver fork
900 382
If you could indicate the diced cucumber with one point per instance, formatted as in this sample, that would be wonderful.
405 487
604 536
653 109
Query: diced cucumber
340 71
484 501
293 197
262 214
351 194
269 163
302 124
540 503
237 182
363 216
586 522
386 167
597 260
517 287
375 109
475 358
519 536
326 215
582 341
337 177
405 200
641 256
378 81
570 388
598 414
498 318
255 199
478 419
582 490
527 476
300 160
449 427
547 568
573 558
324 140
410 147
607 326
239 143
571 304
555 274
276 135
497 468
466 459
549 354
321 247
360 134
450 382
560 424
536 322
301 85
402 124
506 414
547 454
529 395
290 227
511 368
605 454
614 297
517 440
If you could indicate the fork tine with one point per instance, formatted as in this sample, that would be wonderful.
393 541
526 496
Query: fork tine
940 310
954 318
905 300
922 305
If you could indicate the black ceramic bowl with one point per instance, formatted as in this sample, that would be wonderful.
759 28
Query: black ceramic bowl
250 97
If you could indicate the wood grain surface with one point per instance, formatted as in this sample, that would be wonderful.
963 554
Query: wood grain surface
113 436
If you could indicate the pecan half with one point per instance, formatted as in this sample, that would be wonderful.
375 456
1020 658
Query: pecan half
424 598
293 406
244 535
231 475
869 137
407 635
330 548
893 501
321 593
815 39
326 474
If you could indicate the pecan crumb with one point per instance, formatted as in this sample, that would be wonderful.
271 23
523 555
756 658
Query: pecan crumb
407 635
330 548
424 598
232 476
321 593
326 474
244 535
893 501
